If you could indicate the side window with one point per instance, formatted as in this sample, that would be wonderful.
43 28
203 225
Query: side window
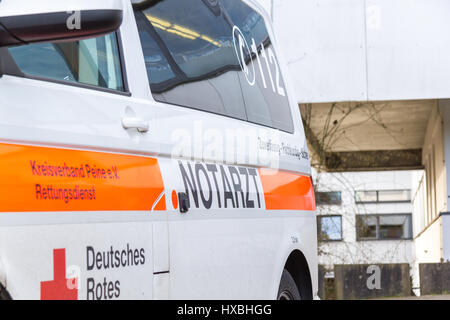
216 56
93 62
262 83
190 57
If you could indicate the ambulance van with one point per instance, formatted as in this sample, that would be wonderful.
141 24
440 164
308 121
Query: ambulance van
150 149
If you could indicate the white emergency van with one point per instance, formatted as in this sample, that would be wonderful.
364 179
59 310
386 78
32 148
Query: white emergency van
150 149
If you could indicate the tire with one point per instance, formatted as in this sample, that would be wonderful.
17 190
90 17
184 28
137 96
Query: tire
4 294
288 288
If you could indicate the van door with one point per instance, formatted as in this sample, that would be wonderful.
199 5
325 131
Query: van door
80 188
225 122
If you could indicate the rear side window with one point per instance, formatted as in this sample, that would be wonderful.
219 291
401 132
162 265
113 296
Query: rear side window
215 56
93 62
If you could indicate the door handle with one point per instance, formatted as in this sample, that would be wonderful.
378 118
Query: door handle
135 123
184 203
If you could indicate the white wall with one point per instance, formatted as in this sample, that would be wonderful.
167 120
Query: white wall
366 252
342 50
428 246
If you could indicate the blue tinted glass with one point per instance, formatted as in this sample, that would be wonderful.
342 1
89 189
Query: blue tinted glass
263 86
42 59
158 68
93 61
190 57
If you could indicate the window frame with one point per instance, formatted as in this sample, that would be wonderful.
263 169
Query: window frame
378 215
319 227
378 197
121 58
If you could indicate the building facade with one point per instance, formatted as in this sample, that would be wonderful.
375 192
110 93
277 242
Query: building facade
364 218
371 79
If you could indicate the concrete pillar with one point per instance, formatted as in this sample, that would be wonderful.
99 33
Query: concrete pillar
444 109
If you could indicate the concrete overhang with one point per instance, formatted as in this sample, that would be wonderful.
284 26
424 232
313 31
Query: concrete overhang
367 136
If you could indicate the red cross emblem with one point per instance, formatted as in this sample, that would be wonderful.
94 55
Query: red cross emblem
58 288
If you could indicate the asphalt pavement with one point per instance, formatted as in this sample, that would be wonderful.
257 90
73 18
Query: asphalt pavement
430 297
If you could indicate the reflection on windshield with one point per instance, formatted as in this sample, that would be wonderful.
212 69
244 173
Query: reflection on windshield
179 30
214 56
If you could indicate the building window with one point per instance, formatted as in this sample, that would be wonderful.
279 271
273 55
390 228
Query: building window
382 196
332 197
383 227
329 228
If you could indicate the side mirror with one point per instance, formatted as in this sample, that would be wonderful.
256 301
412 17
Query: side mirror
29 21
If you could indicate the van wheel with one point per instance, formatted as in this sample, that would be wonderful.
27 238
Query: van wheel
288 289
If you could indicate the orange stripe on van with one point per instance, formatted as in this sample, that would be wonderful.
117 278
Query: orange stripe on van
287 191
50 179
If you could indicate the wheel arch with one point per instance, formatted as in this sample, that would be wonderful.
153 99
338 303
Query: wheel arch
297 265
